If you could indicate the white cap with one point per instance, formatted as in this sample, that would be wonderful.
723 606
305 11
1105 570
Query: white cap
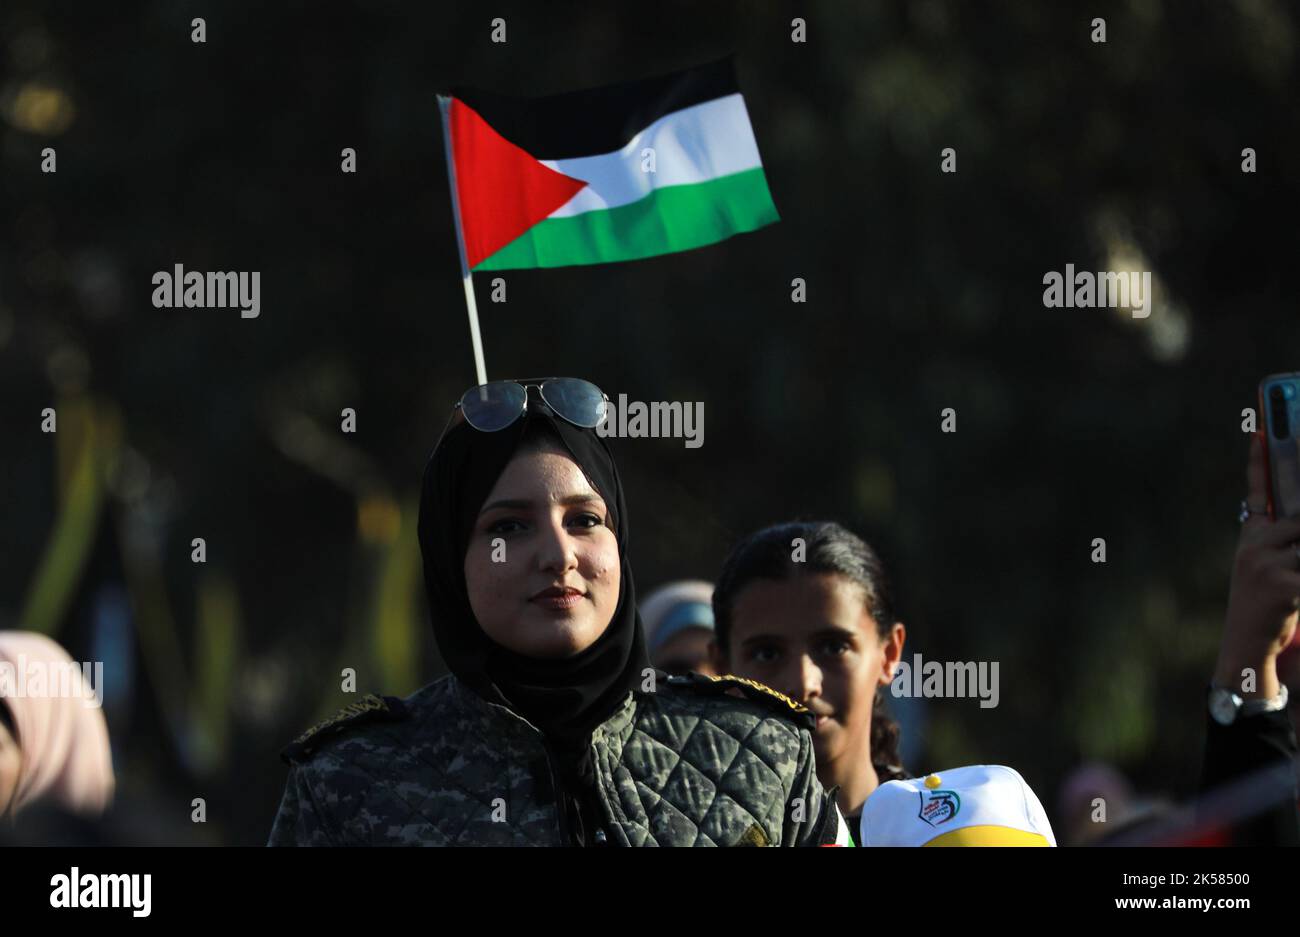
979 805
675 607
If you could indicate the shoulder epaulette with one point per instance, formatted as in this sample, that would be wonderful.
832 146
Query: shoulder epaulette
370 708
751 689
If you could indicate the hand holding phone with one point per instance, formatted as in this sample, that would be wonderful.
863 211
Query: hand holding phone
1262 595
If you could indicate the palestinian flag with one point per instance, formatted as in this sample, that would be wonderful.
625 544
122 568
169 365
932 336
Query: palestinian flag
616 173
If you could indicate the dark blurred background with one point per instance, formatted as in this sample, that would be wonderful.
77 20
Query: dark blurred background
924 291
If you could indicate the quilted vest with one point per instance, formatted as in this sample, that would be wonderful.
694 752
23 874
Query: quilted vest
685 765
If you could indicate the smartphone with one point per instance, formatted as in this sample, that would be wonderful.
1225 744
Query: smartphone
1279 402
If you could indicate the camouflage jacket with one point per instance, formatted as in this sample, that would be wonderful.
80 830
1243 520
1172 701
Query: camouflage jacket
686 765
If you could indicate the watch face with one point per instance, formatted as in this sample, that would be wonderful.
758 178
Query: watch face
1223 706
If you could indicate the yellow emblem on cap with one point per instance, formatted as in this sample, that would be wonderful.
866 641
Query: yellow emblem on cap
933 781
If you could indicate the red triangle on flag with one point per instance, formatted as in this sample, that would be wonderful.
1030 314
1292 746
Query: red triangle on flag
502 189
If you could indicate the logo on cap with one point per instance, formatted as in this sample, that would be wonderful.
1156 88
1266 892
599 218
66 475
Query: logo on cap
938 807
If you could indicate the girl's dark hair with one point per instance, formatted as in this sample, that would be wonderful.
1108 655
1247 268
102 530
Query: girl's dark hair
828 548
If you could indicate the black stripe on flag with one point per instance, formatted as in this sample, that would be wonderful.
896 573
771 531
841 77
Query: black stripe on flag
601 120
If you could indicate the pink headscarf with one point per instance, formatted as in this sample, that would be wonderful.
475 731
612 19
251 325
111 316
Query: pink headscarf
64 742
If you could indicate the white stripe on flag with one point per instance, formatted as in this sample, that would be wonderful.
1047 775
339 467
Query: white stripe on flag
842 836
695 144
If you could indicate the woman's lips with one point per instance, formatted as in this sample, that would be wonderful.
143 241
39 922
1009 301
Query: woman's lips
557 603
822 720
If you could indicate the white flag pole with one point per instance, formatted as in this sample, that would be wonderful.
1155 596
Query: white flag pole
444 107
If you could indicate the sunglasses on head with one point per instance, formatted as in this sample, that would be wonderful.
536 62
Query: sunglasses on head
495 405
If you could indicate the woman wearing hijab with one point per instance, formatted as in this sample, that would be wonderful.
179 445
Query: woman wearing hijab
552 728
53 746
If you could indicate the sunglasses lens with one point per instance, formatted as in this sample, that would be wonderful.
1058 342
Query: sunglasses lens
490 407
580 402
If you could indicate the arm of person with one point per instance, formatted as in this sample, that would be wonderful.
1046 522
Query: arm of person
1261 621
300 821
812 816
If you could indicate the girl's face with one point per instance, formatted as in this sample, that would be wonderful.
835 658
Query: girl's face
542 567
812 638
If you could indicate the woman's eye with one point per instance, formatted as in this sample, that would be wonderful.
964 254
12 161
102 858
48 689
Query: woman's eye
836 648
510 525
764 655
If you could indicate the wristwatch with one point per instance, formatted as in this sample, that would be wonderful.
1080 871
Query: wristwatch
1226 706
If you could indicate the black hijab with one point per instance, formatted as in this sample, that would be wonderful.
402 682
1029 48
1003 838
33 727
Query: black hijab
565 698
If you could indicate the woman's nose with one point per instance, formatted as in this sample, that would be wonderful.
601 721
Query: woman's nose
555 549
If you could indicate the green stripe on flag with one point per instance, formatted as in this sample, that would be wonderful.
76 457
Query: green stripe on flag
675 218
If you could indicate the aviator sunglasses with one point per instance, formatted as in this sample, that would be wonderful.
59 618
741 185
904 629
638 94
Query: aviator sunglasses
495 405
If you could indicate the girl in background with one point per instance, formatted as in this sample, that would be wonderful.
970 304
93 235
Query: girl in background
824 631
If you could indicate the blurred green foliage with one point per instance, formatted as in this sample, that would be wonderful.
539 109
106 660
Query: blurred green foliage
924 292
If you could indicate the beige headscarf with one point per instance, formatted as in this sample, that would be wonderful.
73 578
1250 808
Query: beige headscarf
64 742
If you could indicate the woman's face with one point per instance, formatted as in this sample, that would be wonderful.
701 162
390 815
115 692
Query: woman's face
10 762
542 567
812 638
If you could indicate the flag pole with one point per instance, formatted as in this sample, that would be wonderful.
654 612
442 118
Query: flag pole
444 107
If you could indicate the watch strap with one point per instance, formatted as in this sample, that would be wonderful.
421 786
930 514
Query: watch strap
1253 707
